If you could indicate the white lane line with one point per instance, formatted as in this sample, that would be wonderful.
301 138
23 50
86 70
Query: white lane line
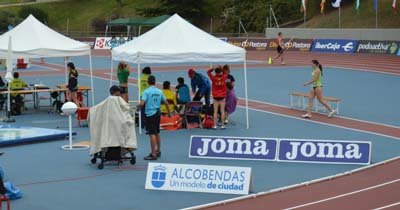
344 195
348 118
322 123
388 206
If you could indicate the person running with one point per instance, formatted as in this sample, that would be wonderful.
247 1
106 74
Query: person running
151 99
219 91
280 48
123 75
316 91
72 93
202 83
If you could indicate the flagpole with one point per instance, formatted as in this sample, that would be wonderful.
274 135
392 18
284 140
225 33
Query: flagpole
376 15
340 24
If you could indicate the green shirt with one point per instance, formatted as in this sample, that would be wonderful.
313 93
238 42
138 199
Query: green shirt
123 75
17 84
318 82
143 83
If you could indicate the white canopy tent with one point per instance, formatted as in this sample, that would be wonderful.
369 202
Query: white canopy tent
178 41
33 39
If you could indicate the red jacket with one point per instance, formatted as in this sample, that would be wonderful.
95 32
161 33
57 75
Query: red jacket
218 84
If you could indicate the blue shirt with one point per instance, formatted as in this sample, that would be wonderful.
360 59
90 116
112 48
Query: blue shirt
183 93
200 81
152 97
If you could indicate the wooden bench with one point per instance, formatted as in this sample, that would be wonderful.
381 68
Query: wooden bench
302 102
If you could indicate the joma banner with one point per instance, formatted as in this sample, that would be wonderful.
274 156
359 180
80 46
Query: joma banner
324 151
232 148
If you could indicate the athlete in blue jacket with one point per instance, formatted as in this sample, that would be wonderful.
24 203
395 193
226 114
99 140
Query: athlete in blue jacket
202 83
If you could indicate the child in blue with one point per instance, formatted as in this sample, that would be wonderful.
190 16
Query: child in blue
182 92
151 99
202 83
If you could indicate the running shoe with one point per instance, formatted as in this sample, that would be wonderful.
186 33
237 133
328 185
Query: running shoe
223 127
226 121
158 154
306 116
331 113
150 157
214 127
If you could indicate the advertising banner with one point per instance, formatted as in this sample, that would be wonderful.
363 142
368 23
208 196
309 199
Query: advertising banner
244 148
378 47
198 178
109 42
88 40
270 44
249 44
324 151
334 45
294 45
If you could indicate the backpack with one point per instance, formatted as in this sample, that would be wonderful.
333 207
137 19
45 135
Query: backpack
208 122
57 106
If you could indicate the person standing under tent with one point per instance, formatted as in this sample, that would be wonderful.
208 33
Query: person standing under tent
169 96
182 93
280 48
202 83
316 91
72 93
219 91
231 99
151 99
123 76
146 72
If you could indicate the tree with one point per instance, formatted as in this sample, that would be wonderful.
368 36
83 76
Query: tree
188 9
39 14
120 3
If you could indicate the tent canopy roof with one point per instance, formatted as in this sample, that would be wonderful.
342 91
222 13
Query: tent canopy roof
138 21
33 39
176 40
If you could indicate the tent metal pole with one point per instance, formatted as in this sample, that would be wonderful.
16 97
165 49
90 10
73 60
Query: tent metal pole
138 85
91 77
245 92
112 71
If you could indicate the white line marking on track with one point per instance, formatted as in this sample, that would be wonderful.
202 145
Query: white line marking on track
348 118
344 195
388 206
322 123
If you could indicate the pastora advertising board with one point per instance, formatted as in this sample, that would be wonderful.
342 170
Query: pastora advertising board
292 45
219 147
378 47
324 151
198 178
334 45
249 44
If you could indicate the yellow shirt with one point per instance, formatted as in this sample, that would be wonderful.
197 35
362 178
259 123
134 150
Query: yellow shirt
171 98
143 83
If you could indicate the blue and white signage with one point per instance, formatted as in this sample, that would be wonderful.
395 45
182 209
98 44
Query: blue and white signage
324 151
334 45
398 53
233 148
198 178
